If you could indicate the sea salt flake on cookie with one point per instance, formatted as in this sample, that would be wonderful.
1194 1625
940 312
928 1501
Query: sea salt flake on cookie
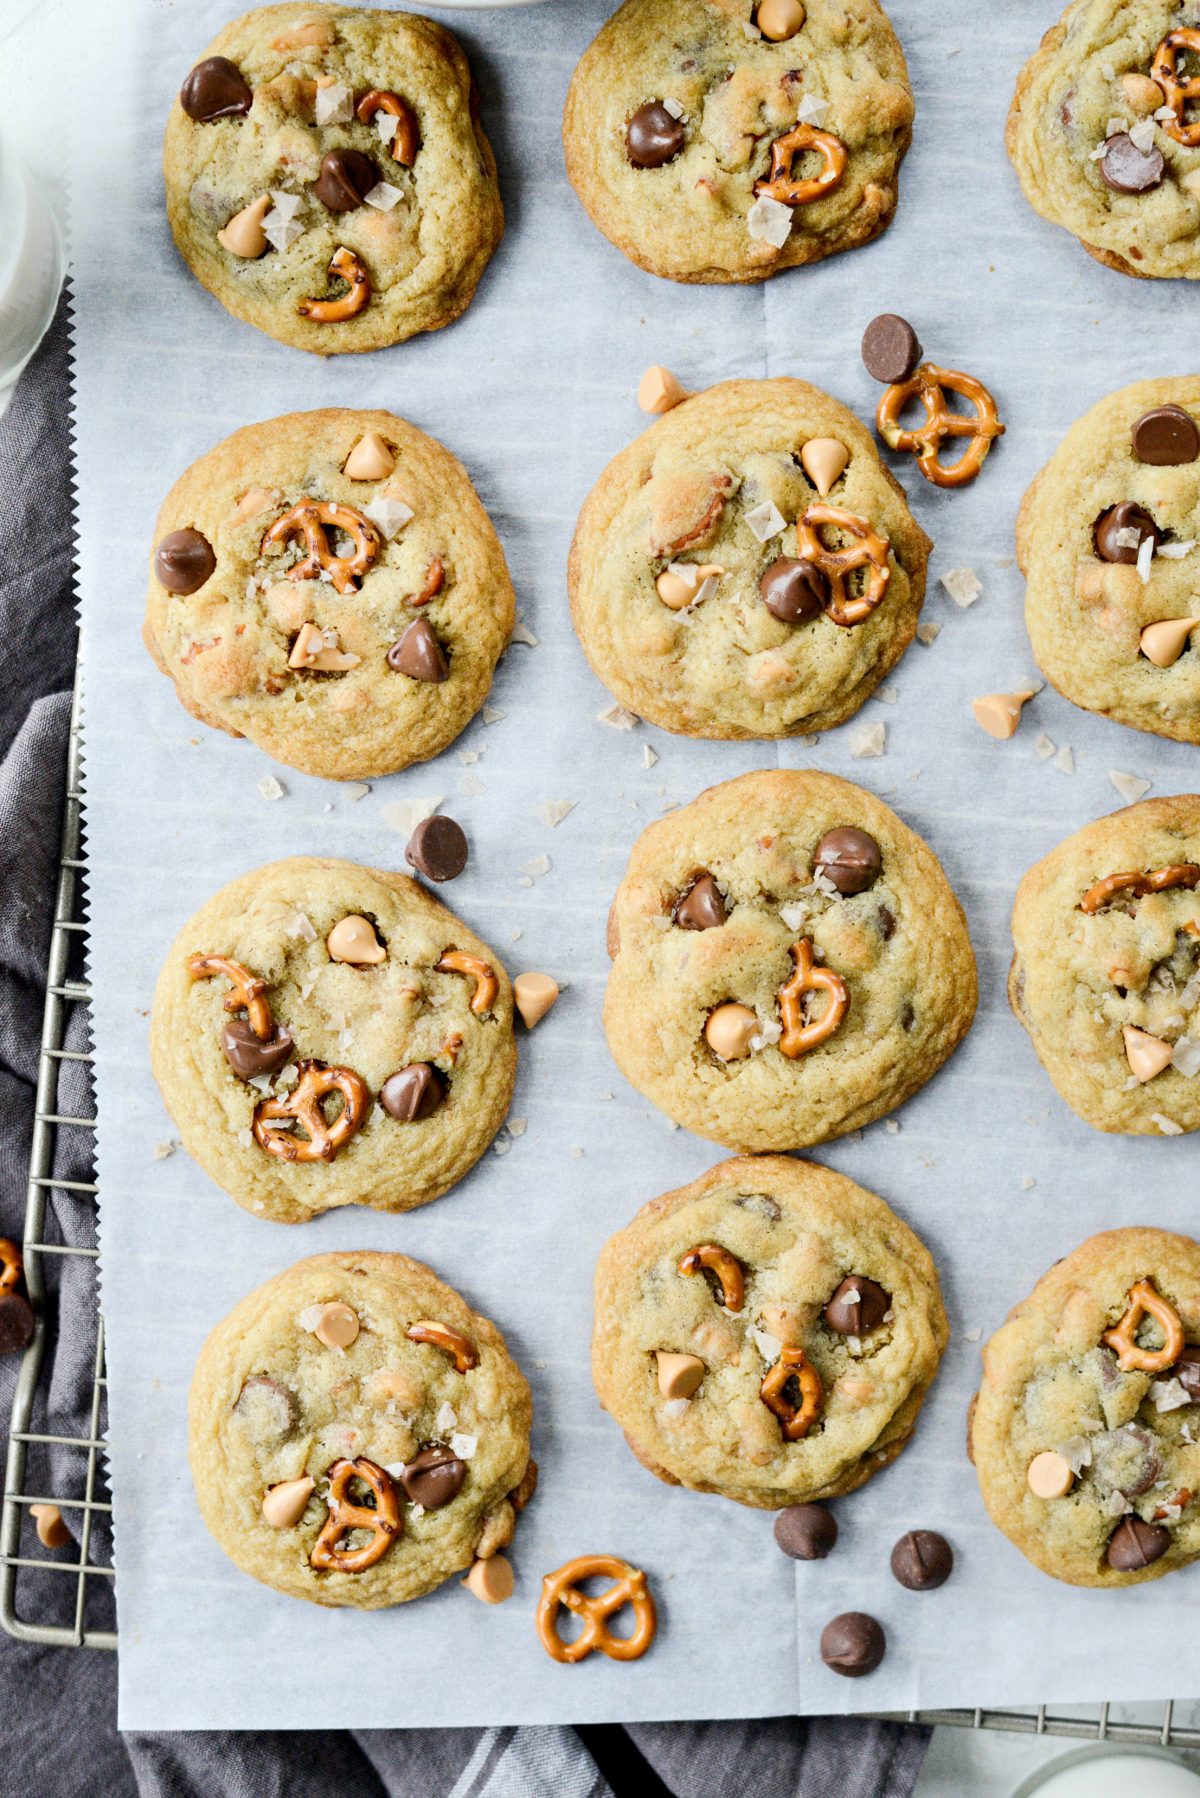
769 221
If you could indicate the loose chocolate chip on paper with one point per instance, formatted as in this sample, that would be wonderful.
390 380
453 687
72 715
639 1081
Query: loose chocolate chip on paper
850 858
1187 1371
437 848
1166 436
857 1307
922 1560
415 1092
1129 170
16 1322
702 907
652 136
1128 516
419 654
249 1055
890 350
853 1644
793 591
433 1478
184 560
346 177
215 89
1134 1545
806 1532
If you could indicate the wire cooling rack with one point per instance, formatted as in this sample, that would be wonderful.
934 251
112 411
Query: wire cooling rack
82 1496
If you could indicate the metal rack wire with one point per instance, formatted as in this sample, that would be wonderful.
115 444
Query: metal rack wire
85 1498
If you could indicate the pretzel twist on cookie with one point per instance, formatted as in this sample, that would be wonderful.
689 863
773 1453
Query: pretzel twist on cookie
799 1037
455 961
406 140
868 550
449 1341
347 267
1146 1301
247 992
308 518
383 1519
1181 874
726 1268
794 1420
783 186
12 1264
928 384
1176 93
304 1104
562 1588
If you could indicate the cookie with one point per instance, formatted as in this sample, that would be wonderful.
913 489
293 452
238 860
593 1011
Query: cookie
327 176
1106 541
357 1433
768 1332
1104 135
789 962
747 567
1083 1433
328 585
1106 967
717 140
325 1034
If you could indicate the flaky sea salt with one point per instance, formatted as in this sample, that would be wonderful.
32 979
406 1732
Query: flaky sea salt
470 786
539 866
1043 748
673 1408
390 515
1176 551
333 104
649 756
765 521
672 106
406 814
963 585
383 196
463 1444
616 717
928 632
446 1419
1185 1057
553 811
1131 787
1168 1395
1027 1182
521 633
300 927
270 788
491 714
355 790
1167 1125
1142 134
812 109
768 1346
1064 759
162 1150
1145 556
795 916
870 740
310 1317
769 221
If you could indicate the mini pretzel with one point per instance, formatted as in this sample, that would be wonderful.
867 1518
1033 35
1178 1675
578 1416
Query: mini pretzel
407 139
798 1037
247 992
11 1265
438 1336
308 519
795 1420
435 580
383 1519
1144 1301
562 1588
347 266
1177 93
1182 874
304 1103
781 185
981 425
869 550
486 985
720 1262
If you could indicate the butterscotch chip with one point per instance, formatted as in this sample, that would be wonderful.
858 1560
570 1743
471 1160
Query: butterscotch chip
1163 643
337 1326
52 1532
491 1580
534 995
371 459
659 390
824 460
729 1031
679 1376
1147 1055
243 235
1049 1475
354 940
287 1502
1000 713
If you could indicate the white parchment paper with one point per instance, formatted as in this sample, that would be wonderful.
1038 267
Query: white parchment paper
534 390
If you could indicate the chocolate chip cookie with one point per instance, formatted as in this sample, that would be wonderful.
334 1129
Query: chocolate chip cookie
325 1034
328 178
1107 539
768 1332
1084 1430
789 962
1106 970
724 140
357 1433
1104 134
329 585
747 567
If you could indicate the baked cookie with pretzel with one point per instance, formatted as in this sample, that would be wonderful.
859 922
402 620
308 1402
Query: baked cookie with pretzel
328 178
1107 541
329 585
768 1332
1105 974
326 1034
789 962
747 567
358 1434
1104 133
725 140
1084 1432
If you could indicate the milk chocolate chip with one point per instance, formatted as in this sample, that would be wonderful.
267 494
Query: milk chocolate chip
702 907
853 1644
16 1322
922 1560
793 591
419 654
1187 1371
183 561
268 1410
652 136
215 89
857 1307
346 177
249 1055
850 858
437 848
1165 437
1127 516
1134 1545
415 1092
433 1478
890 350
806 1532
1129 170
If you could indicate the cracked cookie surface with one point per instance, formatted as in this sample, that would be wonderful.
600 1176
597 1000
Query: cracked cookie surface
423 253
376 1019
799 1233
271 1404
1086 614
1088 83
897 942
229 644
1081 979
678 497
1128 1436
736 95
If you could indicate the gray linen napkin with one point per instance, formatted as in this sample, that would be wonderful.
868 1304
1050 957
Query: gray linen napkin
59 1705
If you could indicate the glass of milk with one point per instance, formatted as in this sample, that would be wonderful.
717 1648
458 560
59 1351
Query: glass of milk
31 265
1109 1772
